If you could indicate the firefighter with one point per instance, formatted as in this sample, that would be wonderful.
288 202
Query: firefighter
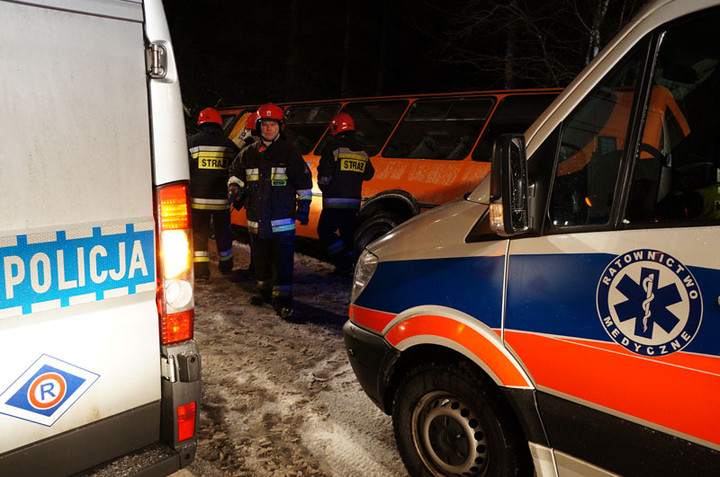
343 167
210 155
273 182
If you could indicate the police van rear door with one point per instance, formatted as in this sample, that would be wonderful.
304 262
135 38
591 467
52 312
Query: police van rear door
622 340
78 319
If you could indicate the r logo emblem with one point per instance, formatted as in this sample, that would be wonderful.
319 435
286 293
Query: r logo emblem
46 390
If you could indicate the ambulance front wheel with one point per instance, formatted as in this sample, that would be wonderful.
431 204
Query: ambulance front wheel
447 421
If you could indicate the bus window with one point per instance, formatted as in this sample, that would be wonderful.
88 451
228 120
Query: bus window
227 119
305 125
440 128
514 114
374 121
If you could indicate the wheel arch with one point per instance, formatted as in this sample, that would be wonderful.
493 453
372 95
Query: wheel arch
473 343
454 330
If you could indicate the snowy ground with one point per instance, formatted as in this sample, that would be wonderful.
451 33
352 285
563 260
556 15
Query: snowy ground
279 398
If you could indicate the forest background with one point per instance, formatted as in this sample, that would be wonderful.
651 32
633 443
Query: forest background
237 52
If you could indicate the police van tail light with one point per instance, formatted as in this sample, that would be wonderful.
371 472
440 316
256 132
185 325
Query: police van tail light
186 421
174 295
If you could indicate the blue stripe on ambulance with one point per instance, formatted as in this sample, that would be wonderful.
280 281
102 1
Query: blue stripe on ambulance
68 267
556 294
401 285
551 294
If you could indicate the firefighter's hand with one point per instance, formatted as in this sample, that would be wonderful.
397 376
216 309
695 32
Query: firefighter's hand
302 216
235 196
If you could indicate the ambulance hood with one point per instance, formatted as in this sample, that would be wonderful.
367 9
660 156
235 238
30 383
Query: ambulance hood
439 232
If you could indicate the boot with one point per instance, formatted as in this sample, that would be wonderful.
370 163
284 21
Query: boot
283 306
261 298
225 267
202 272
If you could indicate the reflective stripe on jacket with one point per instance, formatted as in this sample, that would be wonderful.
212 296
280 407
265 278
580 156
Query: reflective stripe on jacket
276 179
210 154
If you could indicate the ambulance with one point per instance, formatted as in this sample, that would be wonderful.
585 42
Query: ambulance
563 319
100 372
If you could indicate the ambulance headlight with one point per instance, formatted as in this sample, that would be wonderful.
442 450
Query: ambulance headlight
364 270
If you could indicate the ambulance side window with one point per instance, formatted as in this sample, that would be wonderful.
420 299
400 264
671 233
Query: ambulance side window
592 144
675 177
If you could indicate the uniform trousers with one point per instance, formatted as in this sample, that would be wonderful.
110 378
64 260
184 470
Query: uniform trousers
201 219
336 230
274 260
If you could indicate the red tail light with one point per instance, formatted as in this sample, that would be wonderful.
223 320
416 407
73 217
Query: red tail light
178 327
175 300
186 421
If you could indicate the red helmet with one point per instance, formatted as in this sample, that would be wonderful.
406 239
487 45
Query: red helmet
270 111
251 121
341 122
210 115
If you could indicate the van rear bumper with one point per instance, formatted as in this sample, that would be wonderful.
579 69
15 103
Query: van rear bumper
371 358
74 451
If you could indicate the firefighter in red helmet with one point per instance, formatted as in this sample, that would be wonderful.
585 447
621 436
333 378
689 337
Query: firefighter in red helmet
344 166
210 155
272 180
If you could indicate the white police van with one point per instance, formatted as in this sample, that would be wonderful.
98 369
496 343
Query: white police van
100 372
564 318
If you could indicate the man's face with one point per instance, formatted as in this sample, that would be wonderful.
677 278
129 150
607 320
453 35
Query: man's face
269 129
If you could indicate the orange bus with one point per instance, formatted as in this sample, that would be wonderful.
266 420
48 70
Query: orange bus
426 149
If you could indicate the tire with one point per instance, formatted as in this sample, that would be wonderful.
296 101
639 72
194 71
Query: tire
373 228
448 422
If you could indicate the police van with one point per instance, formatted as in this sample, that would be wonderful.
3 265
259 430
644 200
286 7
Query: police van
100 371
564 317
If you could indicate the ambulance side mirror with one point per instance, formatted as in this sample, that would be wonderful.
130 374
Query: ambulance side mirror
509 208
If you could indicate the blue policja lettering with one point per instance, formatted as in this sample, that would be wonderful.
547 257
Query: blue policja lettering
60 269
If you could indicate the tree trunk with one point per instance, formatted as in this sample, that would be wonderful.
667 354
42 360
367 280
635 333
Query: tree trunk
347 51
510 57
594 40
293 60
382 52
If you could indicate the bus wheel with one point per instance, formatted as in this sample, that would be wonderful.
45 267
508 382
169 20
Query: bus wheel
448 422
373 228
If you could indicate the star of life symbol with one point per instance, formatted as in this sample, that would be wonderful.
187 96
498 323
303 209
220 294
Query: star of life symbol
649 302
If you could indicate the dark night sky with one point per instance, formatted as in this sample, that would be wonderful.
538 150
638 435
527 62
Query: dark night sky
237 52
233 52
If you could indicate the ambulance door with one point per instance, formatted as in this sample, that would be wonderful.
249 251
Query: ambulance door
614 308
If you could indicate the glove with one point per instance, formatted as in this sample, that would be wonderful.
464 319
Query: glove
236 196
302 215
